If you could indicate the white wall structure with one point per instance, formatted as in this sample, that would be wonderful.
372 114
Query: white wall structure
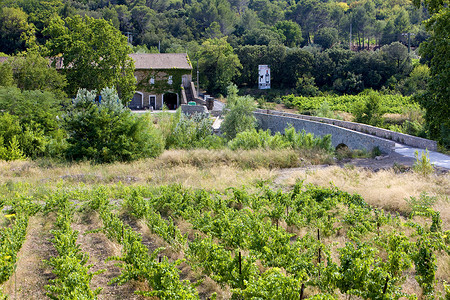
264 77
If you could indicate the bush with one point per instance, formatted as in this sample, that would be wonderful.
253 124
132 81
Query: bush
12 152
253 139
423 165
107 132
239 116
193 132
370 111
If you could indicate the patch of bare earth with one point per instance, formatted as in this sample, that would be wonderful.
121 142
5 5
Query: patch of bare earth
99 248
32 273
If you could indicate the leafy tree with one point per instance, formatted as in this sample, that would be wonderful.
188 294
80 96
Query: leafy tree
436 100
291 31
32 72
306 86
6 75
250 57
416 82
397 54
218 64
371 111
94 55
326 37
106 131
263 36
239 117
298 62
16 34
31 107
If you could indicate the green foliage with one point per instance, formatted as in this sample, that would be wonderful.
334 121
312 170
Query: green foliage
107 131
389 103
94 55
193 132
436 99
422 165
239 115
326 37
252 139
425 262
16 34
291 32
12 152
13 236
242 241
72 274
33 108
369 112
6 75
218 64
162 277
306 86
31 71
272 284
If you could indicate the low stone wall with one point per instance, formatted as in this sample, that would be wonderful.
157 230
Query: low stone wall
194 109
352 139
363 128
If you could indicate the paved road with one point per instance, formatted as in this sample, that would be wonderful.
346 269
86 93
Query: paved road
436 158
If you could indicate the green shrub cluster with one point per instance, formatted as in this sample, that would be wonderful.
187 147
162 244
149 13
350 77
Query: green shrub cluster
390 103
190 132
106 131
253 139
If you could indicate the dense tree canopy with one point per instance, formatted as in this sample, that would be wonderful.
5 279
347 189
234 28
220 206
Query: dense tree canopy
94 54
218 64
436 100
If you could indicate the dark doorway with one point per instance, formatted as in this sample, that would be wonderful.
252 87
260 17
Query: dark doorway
153 102
171 100
136 102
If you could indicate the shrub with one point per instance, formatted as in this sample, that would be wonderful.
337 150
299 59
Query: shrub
239 116
193 132
107 132
253 139
370 111
423 165
12 152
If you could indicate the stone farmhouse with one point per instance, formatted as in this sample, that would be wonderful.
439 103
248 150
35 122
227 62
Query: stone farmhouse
163 79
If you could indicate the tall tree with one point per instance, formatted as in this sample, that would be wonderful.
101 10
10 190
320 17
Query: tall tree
218 64
436 100
16 34
94 55
31 71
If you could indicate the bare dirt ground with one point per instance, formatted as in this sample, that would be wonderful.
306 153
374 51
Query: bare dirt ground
32 274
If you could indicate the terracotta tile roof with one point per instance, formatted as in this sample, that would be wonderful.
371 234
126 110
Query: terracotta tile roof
161 61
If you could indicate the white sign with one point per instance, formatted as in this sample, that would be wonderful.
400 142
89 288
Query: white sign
264 77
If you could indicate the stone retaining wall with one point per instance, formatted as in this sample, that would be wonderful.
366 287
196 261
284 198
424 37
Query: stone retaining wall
352 139
363 128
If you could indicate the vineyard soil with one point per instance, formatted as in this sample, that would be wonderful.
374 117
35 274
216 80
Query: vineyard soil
387 183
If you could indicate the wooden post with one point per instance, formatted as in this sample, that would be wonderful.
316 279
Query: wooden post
385 285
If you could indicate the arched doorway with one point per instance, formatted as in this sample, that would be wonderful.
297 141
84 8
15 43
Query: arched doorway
136 102
170 100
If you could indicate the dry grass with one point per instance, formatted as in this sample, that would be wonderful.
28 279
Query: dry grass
384 189
196 168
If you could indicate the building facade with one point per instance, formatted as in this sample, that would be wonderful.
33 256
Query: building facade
160 79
